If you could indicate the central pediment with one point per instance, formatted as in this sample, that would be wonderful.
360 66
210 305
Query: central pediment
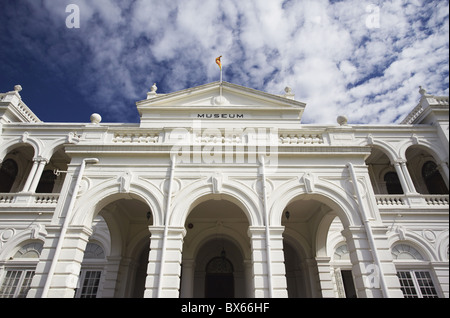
219 104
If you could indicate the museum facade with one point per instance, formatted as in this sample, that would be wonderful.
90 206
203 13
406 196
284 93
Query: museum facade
221 191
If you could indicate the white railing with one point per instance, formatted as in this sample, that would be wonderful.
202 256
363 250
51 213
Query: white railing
6 198
389 199
392 200
436 199
46 198
29 199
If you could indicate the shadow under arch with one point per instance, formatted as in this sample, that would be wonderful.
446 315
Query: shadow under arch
202 193
105 194
343 205
227 282
216 225
227 233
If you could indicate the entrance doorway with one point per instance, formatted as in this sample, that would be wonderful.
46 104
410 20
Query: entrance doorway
219 280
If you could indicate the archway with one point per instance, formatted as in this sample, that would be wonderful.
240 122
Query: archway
15 168
125 230
308 226
424 170
219 278
216 252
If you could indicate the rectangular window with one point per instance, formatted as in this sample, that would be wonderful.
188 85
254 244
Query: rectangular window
90 280
417 284
16 283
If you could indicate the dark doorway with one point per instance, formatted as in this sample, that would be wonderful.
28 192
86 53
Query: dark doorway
433 179
219 280
349 285
8 173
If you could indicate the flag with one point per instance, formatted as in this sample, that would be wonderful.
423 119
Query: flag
218 62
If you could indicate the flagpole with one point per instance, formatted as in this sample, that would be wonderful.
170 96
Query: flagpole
221 81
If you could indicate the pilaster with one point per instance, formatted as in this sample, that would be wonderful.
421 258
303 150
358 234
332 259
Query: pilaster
171 269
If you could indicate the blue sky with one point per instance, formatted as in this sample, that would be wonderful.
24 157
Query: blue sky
362 59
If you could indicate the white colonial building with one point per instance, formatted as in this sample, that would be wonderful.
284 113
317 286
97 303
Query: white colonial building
221 191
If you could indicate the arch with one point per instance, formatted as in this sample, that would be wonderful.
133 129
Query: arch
199 192
335 198
54 147
384 147
191 251
299 243
23 238
108 192
36 144
405 251
437 152
416 241
322 234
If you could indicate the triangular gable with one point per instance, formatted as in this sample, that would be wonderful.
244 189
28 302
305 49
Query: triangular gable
218 99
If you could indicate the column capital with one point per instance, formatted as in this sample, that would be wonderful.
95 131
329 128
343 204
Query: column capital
400 161
254 231
40 159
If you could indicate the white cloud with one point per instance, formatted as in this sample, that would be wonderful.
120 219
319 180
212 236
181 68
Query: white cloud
325 51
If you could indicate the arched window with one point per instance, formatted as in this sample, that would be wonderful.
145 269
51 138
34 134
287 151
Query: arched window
219 282
393 184
433 179
94 251
404 251
89 281
19 271
8 174
47 182
415 281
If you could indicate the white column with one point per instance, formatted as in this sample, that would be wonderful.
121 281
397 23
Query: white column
407 176
325 279
361 258
401 177
442 275
257 236
386 262
111 278
163 276
31 175
187 281
38 175
64 227
154 262
249 283
171 268
279 283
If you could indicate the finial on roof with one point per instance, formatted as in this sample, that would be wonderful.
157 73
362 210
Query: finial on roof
18 88
152 92
288 93
96 119
422 91
342 120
